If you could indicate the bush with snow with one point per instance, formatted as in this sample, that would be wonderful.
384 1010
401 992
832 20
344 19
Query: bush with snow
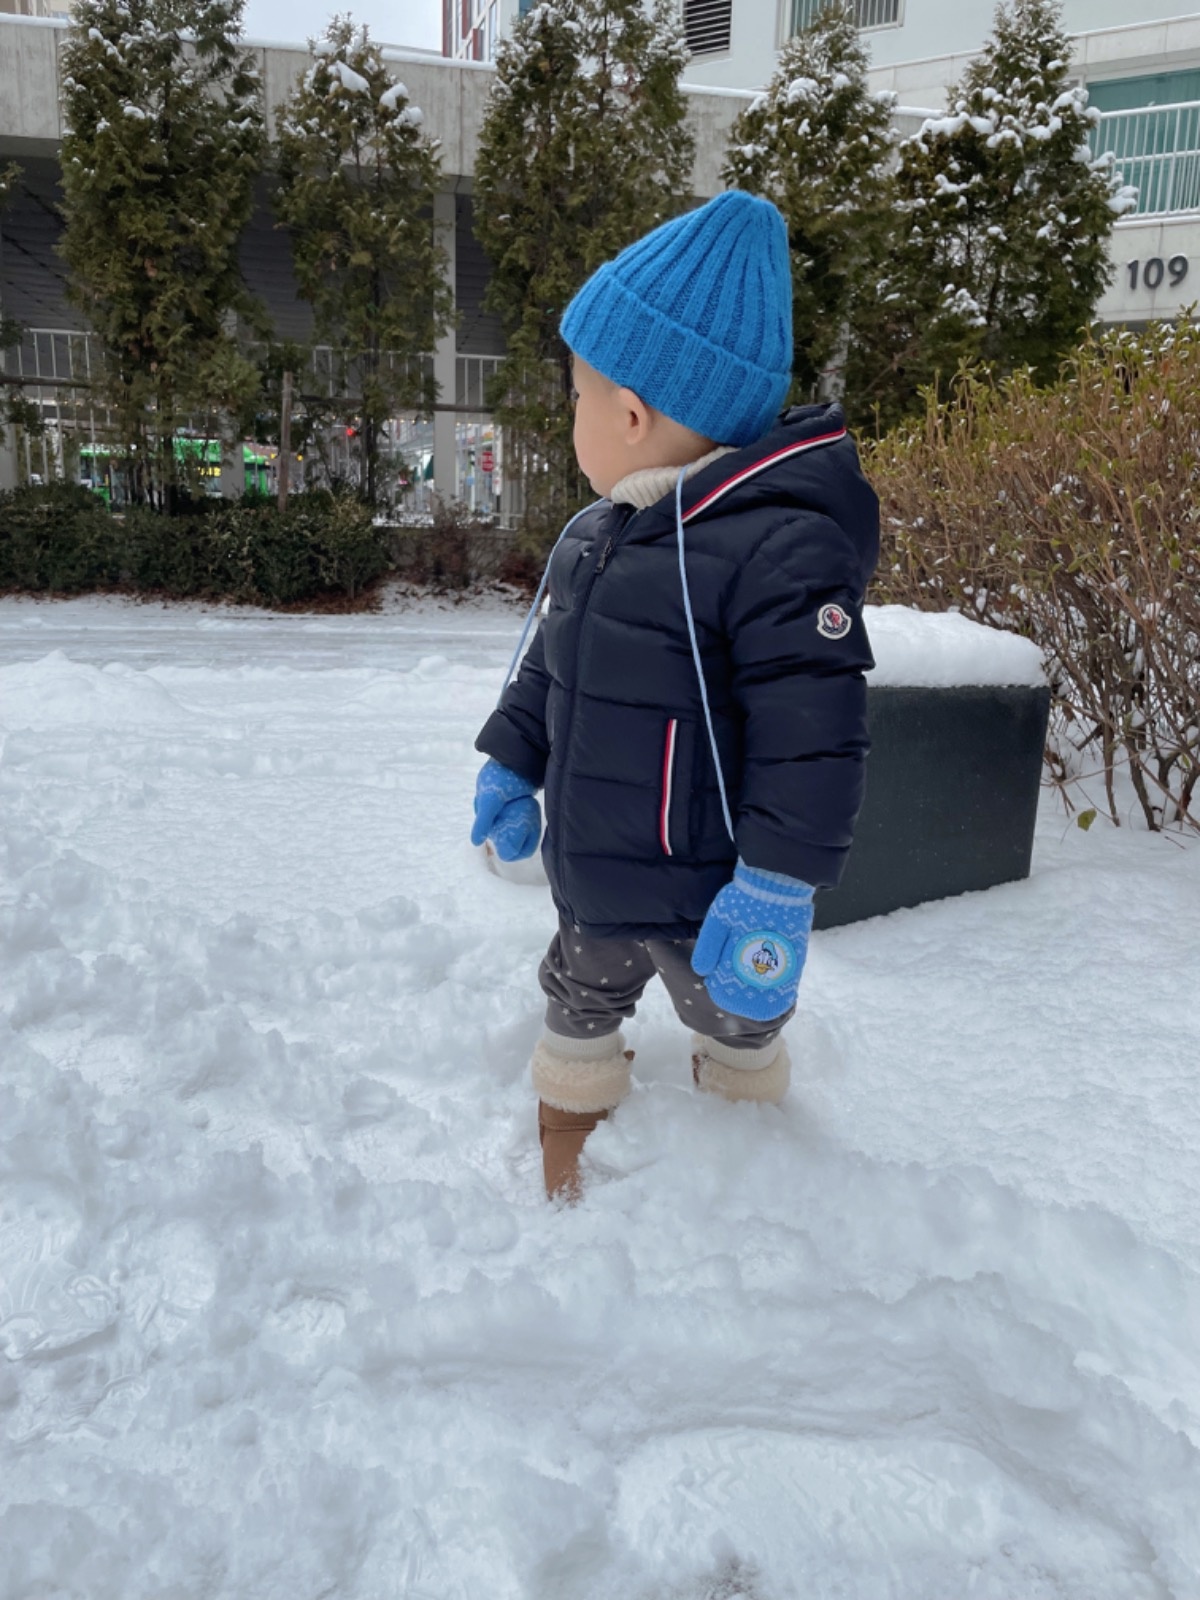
583 149
1002 224
357 181
818 143
163 139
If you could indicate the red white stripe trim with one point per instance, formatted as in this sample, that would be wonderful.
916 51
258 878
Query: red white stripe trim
760 466
668 779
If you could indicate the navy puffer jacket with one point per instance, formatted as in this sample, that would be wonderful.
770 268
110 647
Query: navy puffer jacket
781 538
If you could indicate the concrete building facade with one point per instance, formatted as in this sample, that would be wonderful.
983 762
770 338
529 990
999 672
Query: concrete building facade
35 8
938 36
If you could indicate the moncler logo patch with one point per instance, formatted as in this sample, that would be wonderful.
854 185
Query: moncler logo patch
764 960
834 622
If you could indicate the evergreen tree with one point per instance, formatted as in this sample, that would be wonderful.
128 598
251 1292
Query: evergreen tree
818 143
163 140
1004 218
583 149
357 181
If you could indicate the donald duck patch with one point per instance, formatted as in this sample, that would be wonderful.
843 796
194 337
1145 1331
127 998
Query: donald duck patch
764 960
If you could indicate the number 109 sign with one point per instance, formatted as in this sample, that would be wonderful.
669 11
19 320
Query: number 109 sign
1154 272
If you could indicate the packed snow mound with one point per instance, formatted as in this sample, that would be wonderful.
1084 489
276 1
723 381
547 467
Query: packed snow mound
283 1311
944 650
56 692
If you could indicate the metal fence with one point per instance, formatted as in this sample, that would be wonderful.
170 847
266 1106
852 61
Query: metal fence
58 372
1157 152
54 369
867 13
472 376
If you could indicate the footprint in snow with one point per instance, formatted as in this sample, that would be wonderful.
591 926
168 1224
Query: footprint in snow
46 1304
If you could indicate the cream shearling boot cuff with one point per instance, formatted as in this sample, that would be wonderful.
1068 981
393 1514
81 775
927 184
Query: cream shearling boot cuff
581 1074
735 1074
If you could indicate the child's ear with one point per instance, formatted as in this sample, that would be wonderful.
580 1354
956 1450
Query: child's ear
636 416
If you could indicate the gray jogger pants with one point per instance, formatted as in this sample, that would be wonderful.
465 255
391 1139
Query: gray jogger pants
592 985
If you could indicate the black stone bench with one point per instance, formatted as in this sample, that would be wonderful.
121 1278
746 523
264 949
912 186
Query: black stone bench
952 793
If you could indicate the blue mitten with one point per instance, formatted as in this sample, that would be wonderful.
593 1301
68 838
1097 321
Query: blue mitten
752 946
506 812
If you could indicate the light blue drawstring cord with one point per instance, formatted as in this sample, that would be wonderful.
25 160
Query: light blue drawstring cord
691 625
533 610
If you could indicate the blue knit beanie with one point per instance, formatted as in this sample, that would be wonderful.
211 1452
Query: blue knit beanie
696 318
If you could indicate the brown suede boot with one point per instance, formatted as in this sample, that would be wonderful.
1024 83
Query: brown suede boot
562 1134
578 1084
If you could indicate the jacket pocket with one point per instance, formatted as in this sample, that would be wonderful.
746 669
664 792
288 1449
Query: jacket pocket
675 790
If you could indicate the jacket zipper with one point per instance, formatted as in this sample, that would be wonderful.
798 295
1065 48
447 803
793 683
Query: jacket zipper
668 786
609 545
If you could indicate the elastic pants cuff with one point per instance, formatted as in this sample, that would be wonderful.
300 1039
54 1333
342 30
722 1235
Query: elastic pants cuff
560 1044
738 1057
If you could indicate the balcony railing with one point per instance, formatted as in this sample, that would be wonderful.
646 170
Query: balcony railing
1157 151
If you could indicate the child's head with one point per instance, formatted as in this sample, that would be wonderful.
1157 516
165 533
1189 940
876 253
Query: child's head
683 341
616 432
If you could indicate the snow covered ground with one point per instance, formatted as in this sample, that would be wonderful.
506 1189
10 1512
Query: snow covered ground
282 1310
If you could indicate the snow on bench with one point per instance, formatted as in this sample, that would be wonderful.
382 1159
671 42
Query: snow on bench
946 650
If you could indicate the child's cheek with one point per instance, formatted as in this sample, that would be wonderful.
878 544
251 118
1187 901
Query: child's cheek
583 454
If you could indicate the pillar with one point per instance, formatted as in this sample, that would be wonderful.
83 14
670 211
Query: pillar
10 460
445 361
233 469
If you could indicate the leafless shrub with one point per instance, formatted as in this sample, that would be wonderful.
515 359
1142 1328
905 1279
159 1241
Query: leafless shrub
1071 514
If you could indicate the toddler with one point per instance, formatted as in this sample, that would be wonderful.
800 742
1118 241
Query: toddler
693 704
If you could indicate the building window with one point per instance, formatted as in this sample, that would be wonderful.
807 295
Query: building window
867 13
707 25
1130 94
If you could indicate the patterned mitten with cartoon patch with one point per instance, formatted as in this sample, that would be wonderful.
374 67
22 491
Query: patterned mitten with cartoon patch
752 946
506 812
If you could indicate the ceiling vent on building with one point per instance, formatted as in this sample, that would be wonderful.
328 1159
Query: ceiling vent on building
706 25
867 13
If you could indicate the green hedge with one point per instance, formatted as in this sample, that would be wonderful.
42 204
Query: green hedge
60 539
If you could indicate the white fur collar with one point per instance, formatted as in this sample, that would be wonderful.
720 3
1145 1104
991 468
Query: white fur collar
648 486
